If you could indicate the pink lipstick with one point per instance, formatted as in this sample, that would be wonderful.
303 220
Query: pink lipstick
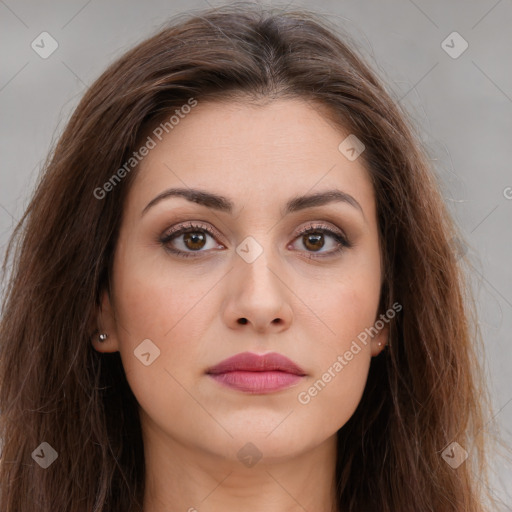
253 373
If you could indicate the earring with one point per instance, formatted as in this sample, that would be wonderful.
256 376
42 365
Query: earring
102 337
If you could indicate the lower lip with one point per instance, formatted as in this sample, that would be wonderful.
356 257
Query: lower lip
257 382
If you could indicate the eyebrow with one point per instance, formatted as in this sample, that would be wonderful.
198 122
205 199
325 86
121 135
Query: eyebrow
224 204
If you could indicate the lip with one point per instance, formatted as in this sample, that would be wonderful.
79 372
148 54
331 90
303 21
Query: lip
255 373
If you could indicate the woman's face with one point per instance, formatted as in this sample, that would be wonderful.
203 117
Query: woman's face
176 306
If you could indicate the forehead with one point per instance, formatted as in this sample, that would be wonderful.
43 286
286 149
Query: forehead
268 152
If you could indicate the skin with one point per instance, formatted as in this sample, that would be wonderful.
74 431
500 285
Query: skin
259 156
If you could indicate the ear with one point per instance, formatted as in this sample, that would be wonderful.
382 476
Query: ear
379 341
104 322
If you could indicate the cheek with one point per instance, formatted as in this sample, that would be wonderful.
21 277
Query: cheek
334 390
152 298
169 309
331 398
348 309
347 305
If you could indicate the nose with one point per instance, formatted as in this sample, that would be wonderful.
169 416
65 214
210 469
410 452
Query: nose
258 297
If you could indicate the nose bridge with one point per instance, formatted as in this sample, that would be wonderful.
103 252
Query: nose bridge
258 295
258 262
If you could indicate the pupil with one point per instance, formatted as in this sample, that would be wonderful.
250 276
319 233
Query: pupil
314 240
194 238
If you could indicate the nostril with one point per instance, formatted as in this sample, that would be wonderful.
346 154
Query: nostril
242 320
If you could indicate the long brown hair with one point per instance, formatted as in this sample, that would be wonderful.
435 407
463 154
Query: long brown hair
424 393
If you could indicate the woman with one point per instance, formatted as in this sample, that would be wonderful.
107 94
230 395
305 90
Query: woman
235 288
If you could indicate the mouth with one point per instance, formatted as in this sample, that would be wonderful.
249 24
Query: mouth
257 374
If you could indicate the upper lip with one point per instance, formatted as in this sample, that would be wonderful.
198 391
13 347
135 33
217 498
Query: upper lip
247 361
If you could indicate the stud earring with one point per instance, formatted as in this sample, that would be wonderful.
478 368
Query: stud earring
102 337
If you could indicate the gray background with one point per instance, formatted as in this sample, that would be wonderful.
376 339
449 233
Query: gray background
463 107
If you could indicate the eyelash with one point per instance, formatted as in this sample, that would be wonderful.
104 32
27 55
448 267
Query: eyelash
190 227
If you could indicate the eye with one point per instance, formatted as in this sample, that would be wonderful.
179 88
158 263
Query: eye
191 238
312 238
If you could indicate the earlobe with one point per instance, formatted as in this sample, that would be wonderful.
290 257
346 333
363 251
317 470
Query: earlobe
380 341
104 332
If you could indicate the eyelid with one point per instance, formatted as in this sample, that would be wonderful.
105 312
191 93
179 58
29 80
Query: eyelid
320 225
191 225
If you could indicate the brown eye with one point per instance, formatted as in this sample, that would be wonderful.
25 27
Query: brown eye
194 240
321 241
190 240
313 241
